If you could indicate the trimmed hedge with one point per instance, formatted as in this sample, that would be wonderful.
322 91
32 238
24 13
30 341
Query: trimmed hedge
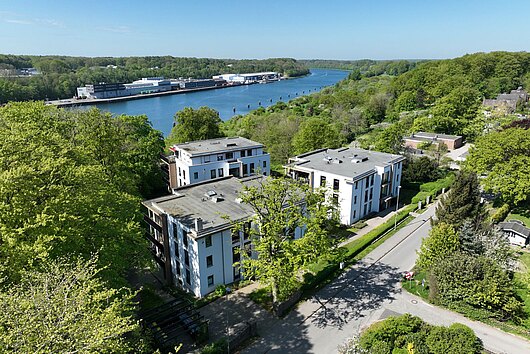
432 189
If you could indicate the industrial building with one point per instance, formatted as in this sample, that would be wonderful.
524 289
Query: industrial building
361 182
250 78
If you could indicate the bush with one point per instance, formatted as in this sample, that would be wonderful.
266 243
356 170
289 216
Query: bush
501 214
217 347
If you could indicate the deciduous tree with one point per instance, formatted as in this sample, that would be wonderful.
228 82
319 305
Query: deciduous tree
195 124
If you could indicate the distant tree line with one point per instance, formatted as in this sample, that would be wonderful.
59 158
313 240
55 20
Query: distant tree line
61 75
366 67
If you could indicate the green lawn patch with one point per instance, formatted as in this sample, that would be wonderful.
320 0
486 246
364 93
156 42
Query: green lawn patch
416 285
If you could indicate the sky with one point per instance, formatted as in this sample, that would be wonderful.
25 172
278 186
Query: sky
310 29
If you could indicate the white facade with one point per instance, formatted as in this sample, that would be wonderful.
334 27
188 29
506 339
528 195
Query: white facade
209 159
192 238
360 181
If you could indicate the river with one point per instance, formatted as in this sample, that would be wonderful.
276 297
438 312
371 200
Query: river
160 110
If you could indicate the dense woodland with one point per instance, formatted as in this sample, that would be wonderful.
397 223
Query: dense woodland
60 75
367 67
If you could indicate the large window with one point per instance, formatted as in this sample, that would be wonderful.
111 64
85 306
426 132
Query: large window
322 181
251 168
210 280
188 277
195 175
220 172
249 152
176 250
213 174
209 261
208 241
242 153
264 164
229 155
335 184
186 258
245 169
185 238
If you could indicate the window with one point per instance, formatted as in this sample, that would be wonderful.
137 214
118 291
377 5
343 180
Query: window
186 258
208 241
355 200
366 195
365 206
220 157
180 173
335 184
229 155
322 181
210 280
236 256
371 193
336 199
245 169
176 250
252 168
354 213
209 261
195 175
213 174
178 269
185 238
242 153
206 159
264 164
220 172
249 152
372 180
356 184
188 277
235 236
246 231
183 174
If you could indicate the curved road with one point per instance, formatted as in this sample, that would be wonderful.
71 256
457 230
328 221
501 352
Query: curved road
366 293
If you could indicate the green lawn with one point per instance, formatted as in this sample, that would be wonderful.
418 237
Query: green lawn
415 286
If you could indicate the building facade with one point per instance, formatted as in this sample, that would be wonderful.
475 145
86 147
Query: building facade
199 161
361 182
192 236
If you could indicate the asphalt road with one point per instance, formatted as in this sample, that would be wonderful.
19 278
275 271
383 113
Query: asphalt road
366 293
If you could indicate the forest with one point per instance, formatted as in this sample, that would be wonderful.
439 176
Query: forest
61 75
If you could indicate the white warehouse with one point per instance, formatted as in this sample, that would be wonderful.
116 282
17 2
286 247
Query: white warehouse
199 161
360 181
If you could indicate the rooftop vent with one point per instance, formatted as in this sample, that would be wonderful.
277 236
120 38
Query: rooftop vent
231 144
217 199
328 159
337 161
210 193
358 159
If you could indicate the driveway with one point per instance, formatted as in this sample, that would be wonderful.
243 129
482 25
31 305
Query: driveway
368 292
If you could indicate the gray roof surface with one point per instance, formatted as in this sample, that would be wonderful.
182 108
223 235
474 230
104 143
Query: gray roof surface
327 160
220 144
193 202
516 226
435 135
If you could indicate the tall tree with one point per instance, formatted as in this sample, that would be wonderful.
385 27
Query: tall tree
461 202
316 133
195 124
442 241
503 157
66 308
282 208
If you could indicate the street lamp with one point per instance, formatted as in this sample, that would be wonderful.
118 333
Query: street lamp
397 206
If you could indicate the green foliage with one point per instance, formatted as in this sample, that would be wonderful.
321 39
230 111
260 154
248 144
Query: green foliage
194 124
501 213
69 186
218 347
391 140
442 242
407 333
65 307
282 207
503 157
461 202
421 169
315 133
476 282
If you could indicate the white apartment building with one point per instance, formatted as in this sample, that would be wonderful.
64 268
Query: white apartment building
360 181
199 161
192 237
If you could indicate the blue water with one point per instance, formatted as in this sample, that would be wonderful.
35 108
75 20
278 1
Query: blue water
160 110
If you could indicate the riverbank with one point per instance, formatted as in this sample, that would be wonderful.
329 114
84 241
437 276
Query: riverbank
73 102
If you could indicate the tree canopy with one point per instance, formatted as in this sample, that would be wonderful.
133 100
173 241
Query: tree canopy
194 124
283 208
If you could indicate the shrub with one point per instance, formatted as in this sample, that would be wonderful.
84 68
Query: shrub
501 214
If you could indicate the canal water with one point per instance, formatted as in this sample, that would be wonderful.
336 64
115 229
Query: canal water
161 110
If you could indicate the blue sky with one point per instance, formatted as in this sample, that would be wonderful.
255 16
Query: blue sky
378 29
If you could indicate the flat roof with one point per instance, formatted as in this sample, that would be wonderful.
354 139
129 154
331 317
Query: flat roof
434 135
347 162
213 201
210 146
